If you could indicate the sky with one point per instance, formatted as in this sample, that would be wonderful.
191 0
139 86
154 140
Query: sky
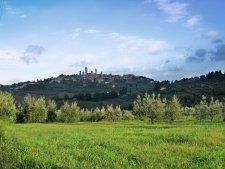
160 39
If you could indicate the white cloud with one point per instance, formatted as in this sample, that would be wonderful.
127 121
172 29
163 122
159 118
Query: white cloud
9 55
210 35
92 31
193 21
175 10
135 43
76 32
13 11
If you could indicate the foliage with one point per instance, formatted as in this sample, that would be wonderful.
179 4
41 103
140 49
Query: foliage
188 111
113 114
215 109
202 109
51 108
151 107
7 107
98 114
173 109
34 110
69 113
137 109
127 115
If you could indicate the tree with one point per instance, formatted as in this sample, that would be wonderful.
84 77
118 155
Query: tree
138 107
98 114
86 115
27 108
102 113
69 113
7 107
39 114
52 108
117 115
202 109
173 109
150 107
223 111
188 111
34 110
113 114
127 115
109 112
153 107
215 108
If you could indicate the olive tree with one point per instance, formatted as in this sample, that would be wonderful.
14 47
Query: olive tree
52 108
173 109
69 113
215 109
202 109
151 107
138 107
34 110
7 107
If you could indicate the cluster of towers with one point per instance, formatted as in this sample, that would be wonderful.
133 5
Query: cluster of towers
85 72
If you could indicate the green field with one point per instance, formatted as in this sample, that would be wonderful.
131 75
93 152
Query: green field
119 145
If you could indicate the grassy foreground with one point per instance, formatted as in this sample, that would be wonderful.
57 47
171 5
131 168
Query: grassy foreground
119 145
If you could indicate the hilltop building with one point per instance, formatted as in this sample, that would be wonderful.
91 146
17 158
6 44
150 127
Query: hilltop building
85 72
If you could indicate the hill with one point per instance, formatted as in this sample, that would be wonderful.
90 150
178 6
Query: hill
92 89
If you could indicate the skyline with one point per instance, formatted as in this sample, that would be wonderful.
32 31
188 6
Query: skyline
160 39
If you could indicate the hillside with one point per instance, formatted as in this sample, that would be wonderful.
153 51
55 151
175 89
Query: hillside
92 89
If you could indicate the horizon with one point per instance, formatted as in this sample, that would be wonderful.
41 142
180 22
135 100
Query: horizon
83 73
158 39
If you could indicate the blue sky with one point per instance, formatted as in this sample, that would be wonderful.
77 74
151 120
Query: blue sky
161 39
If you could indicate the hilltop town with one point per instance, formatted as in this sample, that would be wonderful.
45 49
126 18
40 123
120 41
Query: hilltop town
85 77
91 89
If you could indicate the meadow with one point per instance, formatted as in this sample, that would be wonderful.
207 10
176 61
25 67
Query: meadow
117 145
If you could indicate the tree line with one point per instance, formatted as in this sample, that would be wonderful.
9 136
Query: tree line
152 107
157 108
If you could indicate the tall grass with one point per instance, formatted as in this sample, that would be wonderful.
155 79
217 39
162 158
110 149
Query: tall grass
119 145
7 158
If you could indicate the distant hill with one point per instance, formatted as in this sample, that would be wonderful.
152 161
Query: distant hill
92 89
